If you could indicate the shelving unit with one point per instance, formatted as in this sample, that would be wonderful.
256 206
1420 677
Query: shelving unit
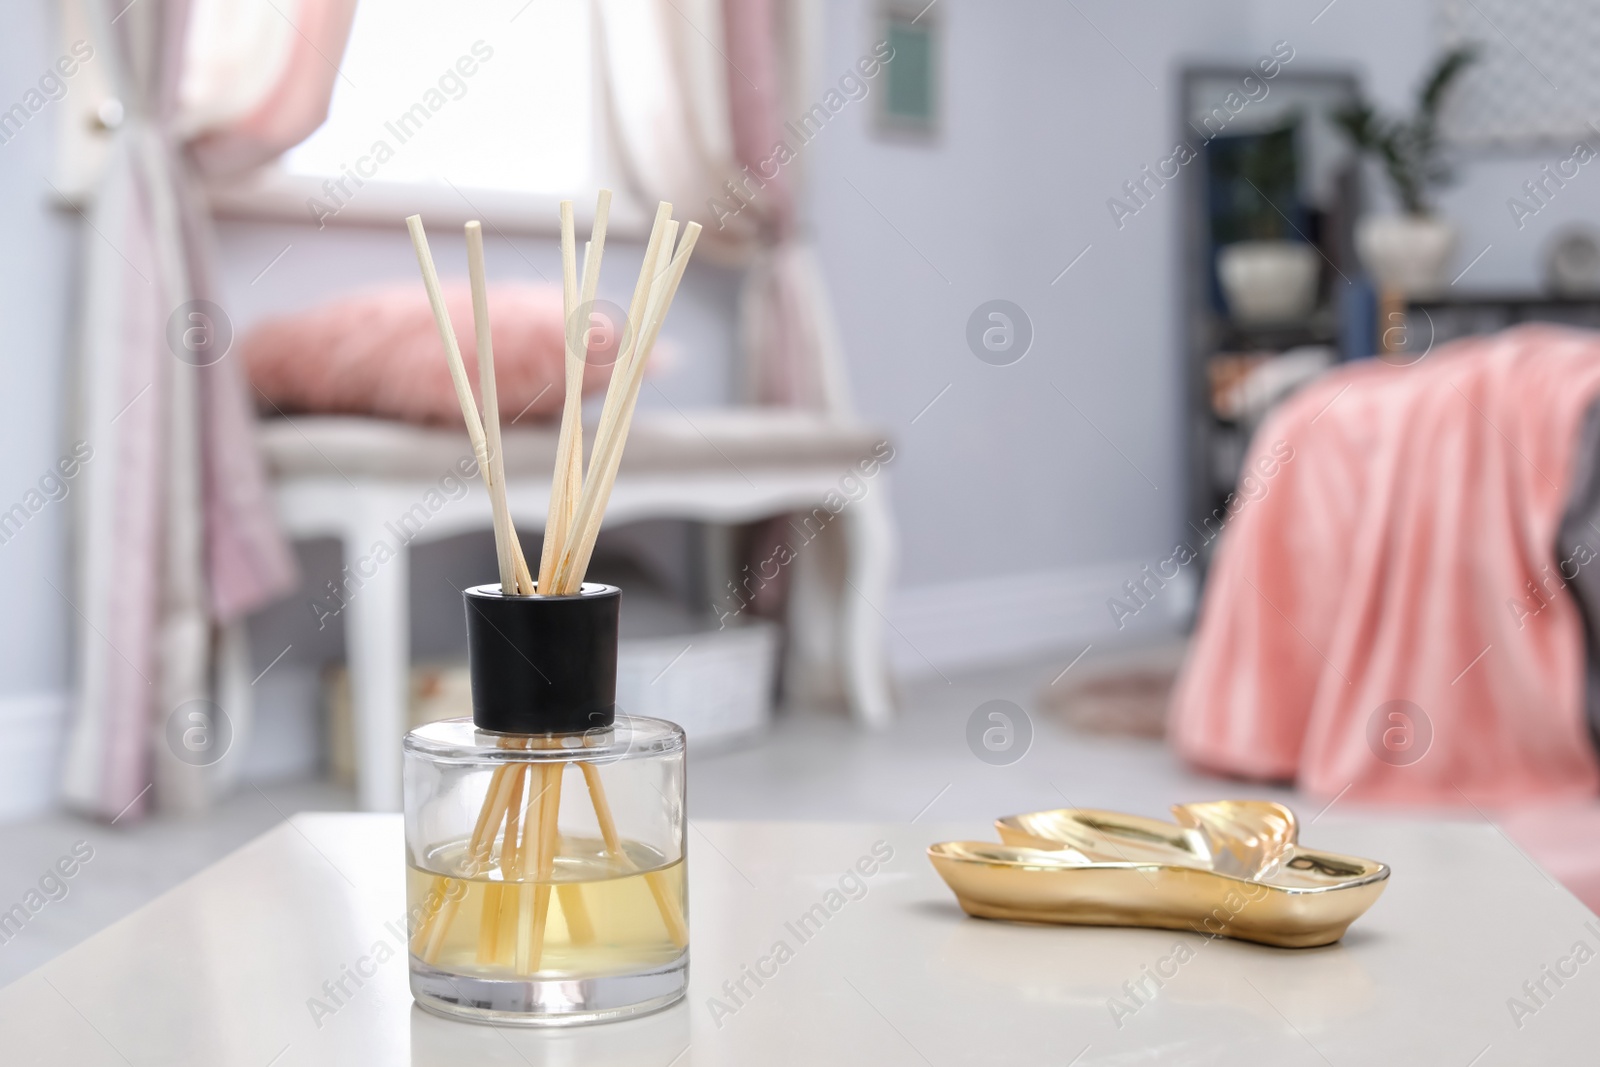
1433 321
1215 346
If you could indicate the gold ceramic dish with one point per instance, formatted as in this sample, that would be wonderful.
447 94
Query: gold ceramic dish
1226 867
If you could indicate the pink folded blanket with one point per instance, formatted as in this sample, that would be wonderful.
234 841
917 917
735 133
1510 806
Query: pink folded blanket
1388 616
378 353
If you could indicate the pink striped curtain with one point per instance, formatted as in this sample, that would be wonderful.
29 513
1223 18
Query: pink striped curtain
175 531
680 137
791 353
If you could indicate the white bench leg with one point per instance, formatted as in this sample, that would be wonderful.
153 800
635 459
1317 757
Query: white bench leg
378 644
869 567
236 697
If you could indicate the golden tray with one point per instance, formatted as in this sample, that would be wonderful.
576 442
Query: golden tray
1229 868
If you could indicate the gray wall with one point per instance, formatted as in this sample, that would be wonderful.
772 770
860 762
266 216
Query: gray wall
1044 122
35 310
1060 473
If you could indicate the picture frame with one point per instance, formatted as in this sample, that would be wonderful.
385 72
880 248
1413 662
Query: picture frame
911 101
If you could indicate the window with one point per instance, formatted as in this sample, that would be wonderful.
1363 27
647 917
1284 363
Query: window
479 94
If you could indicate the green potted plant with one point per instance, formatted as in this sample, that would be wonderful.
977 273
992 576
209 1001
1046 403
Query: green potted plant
1268 275
1408 252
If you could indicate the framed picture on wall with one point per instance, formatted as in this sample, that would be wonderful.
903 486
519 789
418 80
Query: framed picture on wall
910 101
1535 84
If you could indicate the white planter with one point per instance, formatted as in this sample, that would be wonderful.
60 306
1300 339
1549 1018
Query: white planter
1268 281
1407 253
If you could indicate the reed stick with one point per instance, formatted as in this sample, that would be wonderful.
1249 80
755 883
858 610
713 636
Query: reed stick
490 460
576 912
514 576
641 291
489 922
535 822
608 447
657 253
607 455
447 336
593 252
677 929
524 799
558 517
489 819
577 303
538 852
549 838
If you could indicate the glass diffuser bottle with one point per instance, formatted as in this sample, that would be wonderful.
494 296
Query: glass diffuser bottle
545 835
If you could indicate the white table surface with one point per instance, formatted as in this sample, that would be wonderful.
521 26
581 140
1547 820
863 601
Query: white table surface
219 971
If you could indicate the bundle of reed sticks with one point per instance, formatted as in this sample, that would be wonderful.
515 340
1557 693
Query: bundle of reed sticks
518 825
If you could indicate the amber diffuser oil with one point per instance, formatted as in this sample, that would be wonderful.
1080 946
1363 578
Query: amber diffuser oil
603 917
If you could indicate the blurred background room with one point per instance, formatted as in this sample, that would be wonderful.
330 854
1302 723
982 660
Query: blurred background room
1070 404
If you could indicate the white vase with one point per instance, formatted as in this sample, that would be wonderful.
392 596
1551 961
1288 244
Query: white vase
1406 253
1268 281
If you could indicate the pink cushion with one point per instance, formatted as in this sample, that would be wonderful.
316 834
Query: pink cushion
377 352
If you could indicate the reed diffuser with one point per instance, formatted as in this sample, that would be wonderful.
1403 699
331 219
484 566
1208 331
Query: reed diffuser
536 896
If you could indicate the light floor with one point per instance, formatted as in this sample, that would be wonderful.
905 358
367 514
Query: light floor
809 767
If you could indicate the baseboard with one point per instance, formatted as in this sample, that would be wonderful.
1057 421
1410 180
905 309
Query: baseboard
34 727
977 623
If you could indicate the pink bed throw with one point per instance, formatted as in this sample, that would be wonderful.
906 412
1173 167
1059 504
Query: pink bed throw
1387 618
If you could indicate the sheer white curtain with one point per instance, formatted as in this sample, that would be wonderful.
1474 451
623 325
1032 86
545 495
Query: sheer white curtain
695 96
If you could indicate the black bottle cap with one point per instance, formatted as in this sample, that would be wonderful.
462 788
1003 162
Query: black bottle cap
543 664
